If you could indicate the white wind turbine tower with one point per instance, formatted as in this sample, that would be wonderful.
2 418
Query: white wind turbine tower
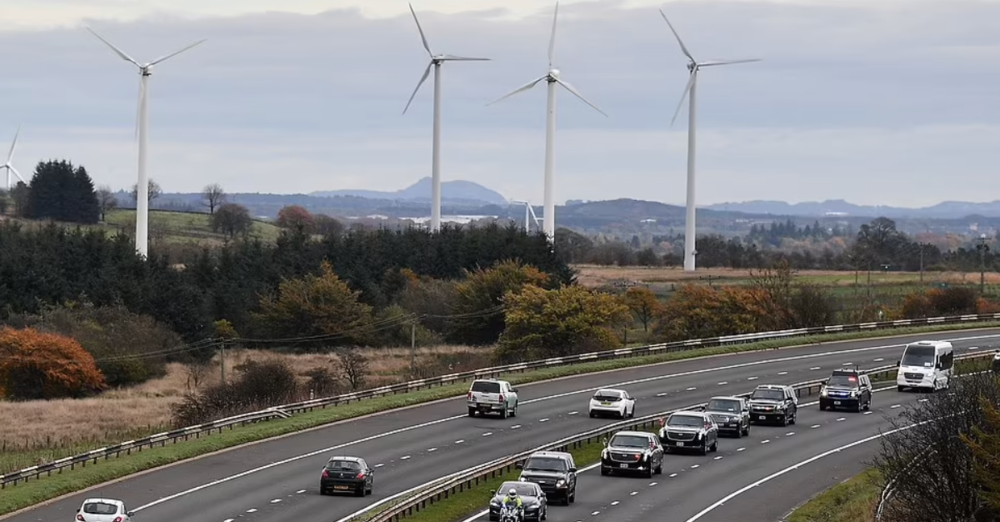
552 77
142 128
693 66
529 213
9 165
436 61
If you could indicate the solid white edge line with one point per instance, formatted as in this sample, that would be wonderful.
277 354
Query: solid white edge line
810 460
448 419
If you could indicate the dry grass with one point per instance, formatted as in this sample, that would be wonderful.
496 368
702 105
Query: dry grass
118 415
595 276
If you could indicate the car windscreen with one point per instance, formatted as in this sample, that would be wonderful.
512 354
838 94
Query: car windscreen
607 396
629 441
727 405
545 464
100 508
343 465
918 356
688 421
841 379
523 490
486 387
768 394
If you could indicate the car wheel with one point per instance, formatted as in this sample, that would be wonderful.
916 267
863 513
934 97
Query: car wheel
545 513
565 500
632 414
514 412
572 496
649 472
604 471
472 412
704 448
504 412
360 492
793 418
715 446
659 468
747 431
322 492
592 414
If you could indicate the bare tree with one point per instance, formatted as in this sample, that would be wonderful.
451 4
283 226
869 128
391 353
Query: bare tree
213 196
354 366
197 372
154 191
106 200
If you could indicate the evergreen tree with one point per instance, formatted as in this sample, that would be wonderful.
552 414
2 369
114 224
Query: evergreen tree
87 207
62 193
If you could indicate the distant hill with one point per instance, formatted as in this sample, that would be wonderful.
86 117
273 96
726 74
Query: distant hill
943 210
458 191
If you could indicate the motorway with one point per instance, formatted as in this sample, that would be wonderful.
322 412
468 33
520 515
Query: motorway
695 488
277 480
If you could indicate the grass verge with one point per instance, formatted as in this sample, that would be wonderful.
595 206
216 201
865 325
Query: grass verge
27 494
853 500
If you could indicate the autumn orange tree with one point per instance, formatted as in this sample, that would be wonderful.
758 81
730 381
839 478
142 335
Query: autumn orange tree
36 365
320 306
643 304
699 311
478 316
552 323
295 217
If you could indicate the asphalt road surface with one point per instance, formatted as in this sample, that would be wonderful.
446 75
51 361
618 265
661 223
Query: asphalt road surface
695 488
277 480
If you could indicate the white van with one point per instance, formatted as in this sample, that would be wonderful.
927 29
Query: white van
926 365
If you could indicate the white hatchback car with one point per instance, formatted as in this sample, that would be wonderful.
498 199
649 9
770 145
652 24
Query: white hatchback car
612 402
103 510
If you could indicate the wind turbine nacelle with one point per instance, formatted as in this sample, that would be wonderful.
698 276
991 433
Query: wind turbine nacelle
554 73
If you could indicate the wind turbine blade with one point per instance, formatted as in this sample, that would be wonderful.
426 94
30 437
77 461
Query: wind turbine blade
576 93
171 55
519 89
683 97
453 58
421 29
121 53
727 62
552 39
427 72
18 174
13 146
683 47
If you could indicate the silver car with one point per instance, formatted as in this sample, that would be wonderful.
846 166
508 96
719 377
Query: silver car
692 430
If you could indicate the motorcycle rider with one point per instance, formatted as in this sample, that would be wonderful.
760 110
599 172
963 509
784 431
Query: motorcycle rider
512 499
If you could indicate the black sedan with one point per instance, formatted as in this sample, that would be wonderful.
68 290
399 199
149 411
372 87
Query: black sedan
536 506
347 475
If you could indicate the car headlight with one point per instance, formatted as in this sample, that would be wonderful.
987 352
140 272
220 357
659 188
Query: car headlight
854 393
822 392
560 483
604 454
494 502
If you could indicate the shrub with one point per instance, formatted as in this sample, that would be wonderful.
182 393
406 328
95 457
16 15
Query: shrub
258 385
917 304
812 306
36 365
955 300
985 306
698 311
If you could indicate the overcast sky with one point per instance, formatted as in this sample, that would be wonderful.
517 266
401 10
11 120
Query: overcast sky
876 102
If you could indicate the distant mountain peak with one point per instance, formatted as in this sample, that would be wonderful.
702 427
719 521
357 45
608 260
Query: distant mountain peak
455 190
943 210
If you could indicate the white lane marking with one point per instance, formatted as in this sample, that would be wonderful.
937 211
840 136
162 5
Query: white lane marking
879 359
322 451
377 466
693 388
842 419
752 378
789 434
228 520
672 475
815 368
723 383
847 364
543 420
782 373
573 412
404 457
595 513
487 434
814 426
652 483
973 347
894 406
615 503
431 450
765 441
459 441
275 501
719 457
516 426
869 412
740 449
921 400
252 510
662 394
696 466
634 493
773 476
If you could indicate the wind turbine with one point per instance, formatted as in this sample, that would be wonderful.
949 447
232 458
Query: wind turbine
693 67
553 78
9 166
142 132
528 213
436 61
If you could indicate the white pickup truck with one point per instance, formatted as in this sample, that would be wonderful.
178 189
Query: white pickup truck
490 396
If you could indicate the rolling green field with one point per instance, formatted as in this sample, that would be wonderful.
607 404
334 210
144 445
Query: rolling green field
181 226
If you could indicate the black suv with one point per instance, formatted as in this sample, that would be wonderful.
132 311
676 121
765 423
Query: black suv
774 403
846 389
554 472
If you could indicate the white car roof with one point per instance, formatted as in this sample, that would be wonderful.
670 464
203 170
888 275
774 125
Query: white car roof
698 414
104 501
610 391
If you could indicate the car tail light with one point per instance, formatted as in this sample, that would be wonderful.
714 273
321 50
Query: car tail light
501 398
637 456
326 474
852 379
118 519
80 518
360 476
470 396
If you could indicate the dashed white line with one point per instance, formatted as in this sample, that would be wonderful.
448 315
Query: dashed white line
894 406
842 419
252 510
615 503
672 475
741 449
723 383
652 484
752 378
789 434
693 388
573 412
815 368
516 426
922 400
869 412
765 441
404 457
973 347
814 426
782 373
301 491
431 450
543 420
487 434
880 359
377 466
847 364
459 441
663 394
595 513
634 493
718 458
696 466
228 520
275 501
